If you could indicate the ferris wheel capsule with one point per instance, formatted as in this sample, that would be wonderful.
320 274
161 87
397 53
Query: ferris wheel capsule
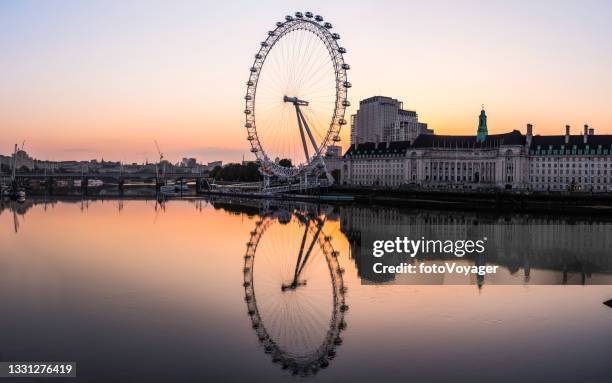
336 36
309 15
342 50
299 15
279 23
327 25
319 18
289 18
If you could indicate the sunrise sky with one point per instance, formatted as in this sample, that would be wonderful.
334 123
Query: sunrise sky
86 79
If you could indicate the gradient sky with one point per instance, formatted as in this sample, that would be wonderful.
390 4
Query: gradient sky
83 80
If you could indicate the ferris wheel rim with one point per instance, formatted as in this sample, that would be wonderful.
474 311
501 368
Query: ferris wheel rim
315 25
332 339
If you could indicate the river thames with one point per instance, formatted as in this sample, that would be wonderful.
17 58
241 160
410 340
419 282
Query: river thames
200 290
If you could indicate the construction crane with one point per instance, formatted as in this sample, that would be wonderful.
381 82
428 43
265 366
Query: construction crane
14 162
161 155
161 178
14 166
15 192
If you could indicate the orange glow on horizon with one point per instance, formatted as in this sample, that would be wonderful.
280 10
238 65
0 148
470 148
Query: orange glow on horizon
105 81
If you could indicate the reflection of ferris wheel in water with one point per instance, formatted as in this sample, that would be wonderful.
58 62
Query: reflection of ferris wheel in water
295 292
297 89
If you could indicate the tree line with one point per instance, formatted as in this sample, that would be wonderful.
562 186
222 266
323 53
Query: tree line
237 172
248 172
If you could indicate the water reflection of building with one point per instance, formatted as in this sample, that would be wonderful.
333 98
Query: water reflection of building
20 208
515 242
568 246
519 243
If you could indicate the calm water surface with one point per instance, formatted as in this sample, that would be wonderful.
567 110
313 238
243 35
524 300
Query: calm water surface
192 291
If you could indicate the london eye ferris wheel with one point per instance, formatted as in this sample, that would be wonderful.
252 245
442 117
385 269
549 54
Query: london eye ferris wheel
296 97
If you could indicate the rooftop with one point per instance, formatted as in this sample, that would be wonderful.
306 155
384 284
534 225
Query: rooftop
558 142
397 147
453 142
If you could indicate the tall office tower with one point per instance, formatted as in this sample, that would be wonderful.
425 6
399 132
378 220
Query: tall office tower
383 119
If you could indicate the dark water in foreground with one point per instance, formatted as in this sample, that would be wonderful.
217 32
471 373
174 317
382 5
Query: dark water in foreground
192 291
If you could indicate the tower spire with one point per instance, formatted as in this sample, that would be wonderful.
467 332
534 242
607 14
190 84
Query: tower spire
482 132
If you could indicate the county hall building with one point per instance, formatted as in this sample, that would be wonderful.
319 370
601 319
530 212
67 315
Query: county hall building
511 161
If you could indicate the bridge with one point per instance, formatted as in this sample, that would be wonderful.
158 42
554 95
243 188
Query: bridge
12 182
110 175
202 183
